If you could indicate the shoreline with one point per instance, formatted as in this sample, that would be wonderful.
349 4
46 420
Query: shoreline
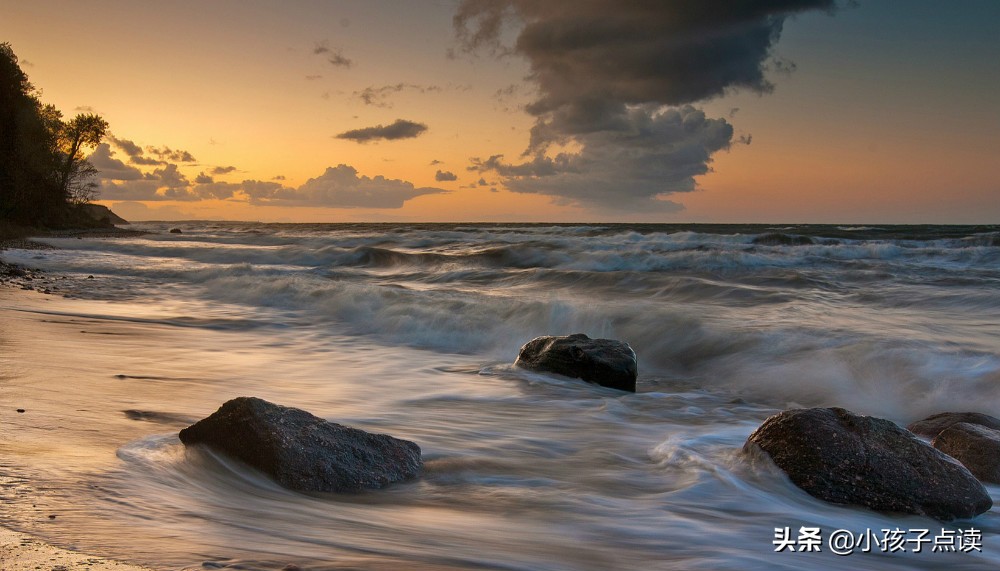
21 551
17 276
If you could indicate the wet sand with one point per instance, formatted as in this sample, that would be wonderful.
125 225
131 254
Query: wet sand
19 551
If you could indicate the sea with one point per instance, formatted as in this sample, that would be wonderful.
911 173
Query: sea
413 329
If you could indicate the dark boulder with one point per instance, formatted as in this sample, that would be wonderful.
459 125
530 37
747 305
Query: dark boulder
175 231
605 362
844 458
976 447
934 424
304 452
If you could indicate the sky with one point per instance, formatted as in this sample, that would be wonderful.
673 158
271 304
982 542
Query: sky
772 111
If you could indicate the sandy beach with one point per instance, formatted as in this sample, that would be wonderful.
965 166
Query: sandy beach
19 551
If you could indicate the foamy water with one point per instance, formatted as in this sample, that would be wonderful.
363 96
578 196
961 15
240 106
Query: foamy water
411 330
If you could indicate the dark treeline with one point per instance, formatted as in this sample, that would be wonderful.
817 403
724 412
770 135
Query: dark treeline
44 177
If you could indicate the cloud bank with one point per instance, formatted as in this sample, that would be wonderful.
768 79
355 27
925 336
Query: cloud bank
617 79
337 187
163 155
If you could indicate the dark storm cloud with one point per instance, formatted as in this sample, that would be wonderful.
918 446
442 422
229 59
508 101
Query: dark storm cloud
401 129
605 73
667 52
445 176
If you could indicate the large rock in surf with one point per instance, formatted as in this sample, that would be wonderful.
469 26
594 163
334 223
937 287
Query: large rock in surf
605 362
845 458
975 446
934 424
304 452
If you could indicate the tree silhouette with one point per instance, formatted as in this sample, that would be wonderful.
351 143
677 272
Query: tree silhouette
76 173
43 172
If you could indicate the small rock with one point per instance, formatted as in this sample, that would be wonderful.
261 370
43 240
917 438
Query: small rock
52 517
20 410
175 231
605 362
975 446
934 424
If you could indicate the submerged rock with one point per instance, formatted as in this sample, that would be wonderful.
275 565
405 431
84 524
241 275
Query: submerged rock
975 446
845 458
934 424
605 362
175 231
304 452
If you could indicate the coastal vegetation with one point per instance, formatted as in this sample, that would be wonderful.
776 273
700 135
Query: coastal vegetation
45 179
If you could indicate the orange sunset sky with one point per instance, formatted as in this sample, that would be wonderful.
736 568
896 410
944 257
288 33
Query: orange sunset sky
300 111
